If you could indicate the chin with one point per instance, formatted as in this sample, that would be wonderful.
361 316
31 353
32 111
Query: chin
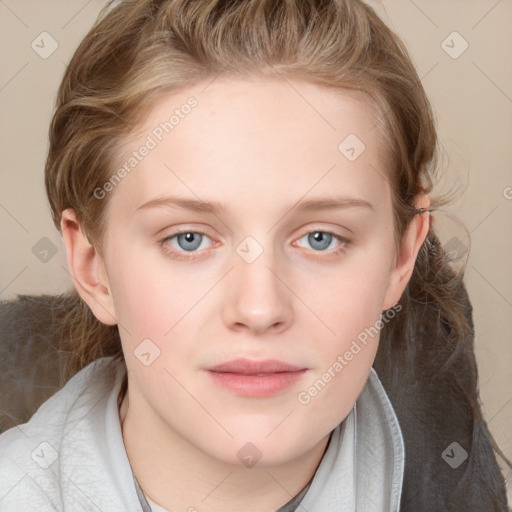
260 449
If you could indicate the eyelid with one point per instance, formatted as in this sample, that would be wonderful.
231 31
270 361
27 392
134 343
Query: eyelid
341 238
169 231
183 255
318 226
191 255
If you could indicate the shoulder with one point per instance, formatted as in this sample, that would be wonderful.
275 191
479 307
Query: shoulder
43 459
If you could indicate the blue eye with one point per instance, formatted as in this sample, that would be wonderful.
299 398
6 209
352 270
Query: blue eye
186 245
188 241
321 240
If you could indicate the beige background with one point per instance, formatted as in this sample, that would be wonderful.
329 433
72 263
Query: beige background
472 99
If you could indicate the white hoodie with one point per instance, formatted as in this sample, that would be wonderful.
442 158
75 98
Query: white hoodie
70 456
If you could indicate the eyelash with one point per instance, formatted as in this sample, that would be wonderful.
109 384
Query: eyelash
180 255
188 256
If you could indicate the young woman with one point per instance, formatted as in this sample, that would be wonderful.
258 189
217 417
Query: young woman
244 192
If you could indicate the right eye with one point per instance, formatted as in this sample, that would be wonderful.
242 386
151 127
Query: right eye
184 242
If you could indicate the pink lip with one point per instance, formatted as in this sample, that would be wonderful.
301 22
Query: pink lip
248 367
256 378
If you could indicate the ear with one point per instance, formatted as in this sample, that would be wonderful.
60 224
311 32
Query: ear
87 269
412 240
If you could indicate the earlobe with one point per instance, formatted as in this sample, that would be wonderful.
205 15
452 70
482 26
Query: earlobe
412 240
87 269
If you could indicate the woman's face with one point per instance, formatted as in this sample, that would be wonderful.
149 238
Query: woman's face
239 333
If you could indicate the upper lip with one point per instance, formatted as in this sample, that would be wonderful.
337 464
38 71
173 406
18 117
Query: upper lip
248 367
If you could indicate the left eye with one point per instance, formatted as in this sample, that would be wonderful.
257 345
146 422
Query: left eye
321 240
188 241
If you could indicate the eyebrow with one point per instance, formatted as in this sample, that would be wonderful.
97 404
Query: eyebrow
328 203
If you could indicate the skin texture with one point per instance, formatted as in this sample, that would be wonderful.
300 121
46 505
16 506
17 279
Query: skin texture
259 148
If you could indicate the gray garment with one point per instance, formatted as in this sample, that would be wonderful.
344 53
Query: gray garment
70 456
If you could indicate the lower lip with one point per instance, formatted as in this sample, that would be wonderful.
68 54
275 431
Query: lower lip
256 385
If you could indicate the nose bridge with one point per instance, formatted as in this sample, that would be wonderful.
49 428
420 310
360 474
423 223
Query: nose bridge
257 298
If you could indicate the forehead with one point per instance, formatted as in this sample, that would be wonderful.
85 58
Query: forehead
275 139
306 109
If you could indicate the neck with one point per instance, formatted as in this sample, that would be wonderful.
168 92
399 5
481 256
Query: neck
179 476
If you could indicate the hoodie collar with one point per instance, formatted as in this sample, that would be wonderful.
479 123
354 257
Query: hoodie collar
363 466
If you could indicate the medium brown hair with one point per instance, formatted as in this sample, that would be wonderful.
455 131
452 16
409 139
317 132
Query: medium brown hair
139 50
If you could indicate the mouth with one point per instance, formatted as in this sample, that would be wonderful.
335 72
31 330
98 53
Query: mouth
256 378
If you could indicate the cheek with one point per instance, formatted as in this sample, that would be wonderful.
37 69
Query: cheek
330 395
352 308
151 310
361 302
149 298
343 360
349 299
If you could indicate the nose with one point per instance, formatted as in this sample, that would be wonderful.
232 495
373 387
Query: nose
257 300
